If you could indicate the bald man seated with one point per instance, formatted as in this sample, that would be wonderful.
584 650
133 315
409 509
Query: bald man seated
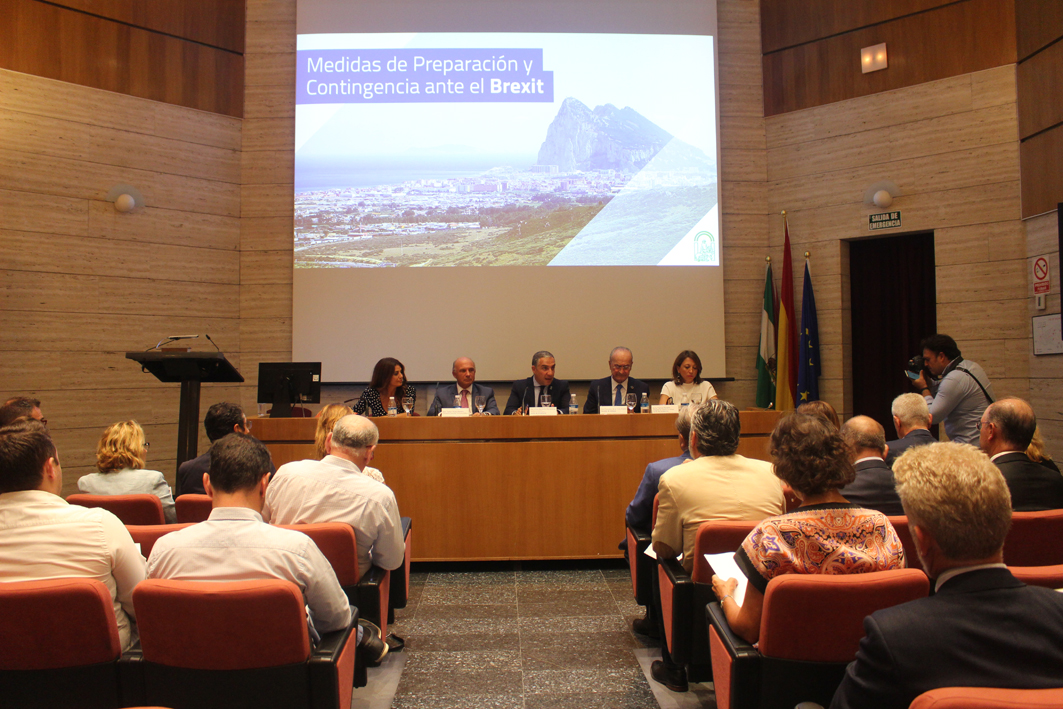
874 486
466 389
1006 431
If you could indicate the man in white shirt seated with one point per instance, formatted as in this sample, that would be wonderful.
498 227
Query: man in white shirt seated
43 537
333 490
234 544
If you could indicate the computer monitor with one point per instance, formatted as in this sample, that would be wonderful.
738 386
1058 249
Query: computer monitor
285 383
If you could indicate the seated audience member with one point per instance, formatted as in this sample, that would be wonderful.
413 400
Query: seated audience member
234 544
222 419
21 406
333 489
717 485
326 421
912 419
980 627
874 487
466 389
639 514
823 410
1005 432
388 382
120 457
686 383
1037 452
825 535
528 392
613 390
44 537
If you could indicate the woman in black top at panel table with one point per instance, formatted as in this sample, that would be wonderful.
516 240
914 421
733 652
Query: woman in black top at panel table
389 380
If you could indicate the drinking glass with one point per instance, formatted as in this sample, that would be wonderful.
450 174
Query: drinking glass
695 399
632 401
481 402
407 404
544 400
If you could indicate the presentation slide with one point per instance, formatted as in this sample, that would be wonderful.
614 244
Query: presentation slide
491 149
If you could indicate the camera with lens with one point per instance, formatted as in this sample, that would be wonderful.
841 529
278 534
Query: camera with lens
914 368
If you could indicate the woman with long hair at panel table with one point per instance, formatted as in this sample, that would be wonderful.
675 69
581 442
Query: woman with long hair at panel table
389 380
121 456
687 386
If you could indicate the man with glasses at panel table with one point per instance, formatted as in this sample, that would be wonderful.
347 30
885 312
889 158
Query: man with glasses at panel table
614 389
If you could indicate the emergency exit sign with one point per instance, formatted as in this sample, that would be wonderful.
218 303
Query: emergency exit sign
886 220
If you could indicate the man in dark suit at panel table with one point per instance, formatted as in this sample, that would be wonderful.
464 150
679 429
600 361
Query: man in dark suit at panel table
874 486
981 627
1004 434
912 419
465 389
613 390
529 392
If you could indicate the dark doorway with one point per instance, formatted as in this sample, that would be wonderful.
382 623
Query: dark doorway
894 306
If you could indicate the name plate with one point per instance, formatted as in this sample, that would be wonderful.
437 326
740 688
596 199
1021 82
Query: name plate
452 413
612 410
665 408
542 411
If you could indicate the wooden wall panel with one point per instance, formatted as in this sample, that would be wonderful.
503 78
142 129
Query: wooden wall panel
955 39
787 23
1039 23
1041 90
79 48
1042 172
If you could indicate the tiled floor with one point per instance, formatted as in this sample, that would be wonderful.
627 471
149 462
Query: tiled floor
523 639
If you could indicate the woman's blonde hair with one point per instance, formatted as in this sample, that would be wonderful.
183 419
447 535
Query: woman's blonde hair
1036 450
121 446
326 421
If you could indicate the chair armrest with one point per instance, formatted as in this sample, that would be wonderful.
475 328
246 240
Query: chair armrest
736 646
400 577
677 608
371 596
641 565
737 684
406 524
335 655
131 687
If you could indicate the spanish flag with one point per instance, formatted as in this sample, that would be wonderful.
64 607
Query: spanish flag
786 377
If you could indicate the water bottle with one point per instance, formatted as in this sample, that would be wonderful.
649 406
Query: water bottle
645 406
573 407
392 411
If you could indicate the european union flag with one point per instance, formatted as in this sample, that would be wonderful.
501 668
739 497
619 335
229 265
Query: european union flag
808 363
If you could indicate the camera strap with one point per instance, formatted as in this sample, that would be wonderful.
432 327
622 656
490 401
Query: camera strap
971 375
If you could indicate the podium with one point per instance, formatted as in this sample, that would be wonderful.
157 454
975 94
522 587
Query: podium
191 369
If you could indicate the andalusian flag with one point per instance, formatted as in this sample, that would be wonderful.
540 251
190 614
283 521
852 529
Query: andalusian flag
766 355
786 377
809 370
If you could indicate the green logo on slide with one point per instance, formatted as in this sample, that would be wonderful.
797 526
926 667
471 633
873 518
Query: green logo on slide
705 248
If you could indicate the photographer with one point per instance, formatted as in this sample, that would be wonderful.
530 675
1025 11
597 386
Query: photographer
958 392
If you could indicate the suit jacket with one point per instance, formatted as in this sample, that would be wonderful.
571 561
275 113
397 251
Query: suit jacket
1033 486
524 391
190 475
918 437
874 488
445 398
639 513
982 629
604 387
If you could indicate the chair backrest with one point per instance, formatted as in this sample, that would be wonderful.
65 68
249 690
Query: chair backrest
1033 539
66 622
820 618
900 525
337 542
1047 576
227 625
717 537
131 509
988 698
193 508
147 534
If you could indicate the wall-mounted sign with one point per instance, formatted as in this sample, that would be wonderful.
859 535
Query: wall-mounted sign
886 220
1042 279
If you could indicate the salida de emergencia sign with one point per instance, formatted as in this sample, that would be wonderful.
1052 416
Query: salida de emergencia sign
885 220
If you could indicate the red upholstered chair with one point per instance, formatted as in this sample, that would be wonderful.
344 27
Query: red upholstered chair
59 644
684 596
810 629
640 565
206 645
1034 539
131 509
193 508
1047 576
147 534
399 585
337 542
988 698
900 525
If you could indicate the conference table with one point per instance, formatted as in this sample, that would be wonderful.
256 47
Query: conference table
515 487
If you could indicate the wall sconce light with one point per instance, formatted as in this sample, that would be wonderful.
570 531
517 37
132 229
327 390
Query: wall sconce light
126 198
873 58
881 194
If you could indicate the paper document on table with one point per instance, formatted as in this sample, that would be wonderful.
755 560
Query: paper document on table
725 566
